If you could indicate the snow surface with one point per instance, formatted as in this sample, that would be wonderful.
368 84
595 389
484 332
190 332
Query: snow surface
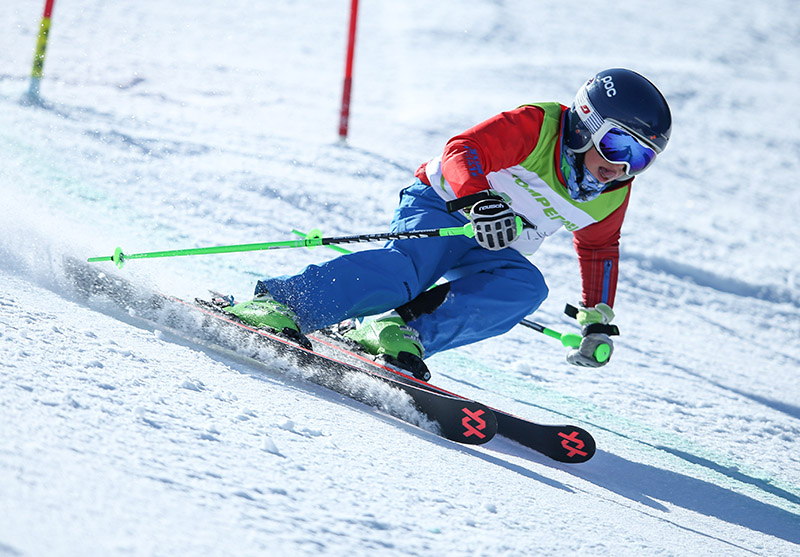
169 125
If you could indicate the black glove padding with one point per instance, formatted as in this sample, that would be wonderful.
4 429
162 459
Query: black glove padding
592 352
495 223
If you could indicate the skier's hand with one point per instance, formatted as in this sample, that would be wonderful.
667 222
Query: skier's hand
495 224
596 347
601 313
595 351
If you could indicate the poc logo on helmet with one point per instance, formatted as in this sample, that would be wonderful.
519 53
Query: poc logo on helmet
608 83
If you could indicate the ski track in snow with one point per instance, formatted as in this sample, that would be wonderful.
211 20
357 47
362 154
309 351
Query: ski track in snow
218 126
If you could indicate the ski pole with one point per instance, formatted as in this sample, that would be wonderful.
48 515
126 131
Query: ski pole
569 340
119 258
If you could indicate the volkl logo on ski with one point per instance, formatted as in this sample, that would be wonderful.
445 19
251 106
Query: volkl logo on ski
470 429
572 438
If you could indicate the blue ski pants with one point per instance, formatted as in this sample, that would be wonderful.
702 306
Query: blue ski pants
490 291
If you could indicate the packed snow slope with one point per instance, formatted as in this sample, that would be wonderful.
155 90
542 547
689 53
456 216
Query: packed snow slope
166 125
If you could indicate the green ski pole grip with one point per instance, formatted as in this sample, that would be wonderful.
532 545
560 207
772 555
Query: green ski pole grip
465 230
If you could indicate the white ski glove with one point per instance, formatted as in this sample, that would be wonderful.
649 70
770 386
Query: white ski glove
601 313
596 348
595 351
495 224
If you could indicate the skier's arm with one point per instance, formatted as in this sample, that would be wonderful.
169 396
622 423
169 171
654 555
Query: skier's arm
597 246
500 142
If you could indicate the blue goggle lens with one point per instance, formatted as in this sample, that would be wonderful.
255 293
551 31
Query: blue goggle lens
619 147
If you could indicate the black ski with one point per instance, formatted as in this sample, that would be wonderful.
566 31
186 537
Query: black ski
331 361
564 443
459 419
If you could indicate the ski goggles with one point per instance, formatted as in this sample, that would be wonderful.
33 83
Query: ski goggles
618 146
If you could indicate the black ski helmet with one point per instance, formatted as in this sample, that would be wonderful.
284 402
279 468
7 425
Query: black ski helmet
624 97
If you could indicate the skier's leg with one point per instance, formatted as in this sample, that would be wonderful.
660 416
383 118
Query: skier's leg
374 281
478 305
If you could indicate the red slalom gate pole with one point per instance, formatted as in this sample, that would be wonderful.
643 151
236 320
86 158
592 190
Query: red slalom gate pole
344 116
41 48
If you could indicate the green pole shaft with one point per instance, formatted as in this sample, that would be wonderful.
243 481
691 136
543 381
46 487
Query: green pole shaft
119 257
213 250
570 340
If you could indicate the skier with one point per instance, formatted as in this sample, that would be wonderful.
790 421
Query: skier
518 177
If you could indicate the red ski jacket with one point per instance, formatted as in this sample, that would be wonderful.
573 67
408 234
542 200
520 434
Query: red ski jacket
504 141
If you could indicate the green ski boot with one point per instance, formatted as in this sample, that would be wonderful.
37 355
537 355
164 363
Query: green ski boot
391 338
265 313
